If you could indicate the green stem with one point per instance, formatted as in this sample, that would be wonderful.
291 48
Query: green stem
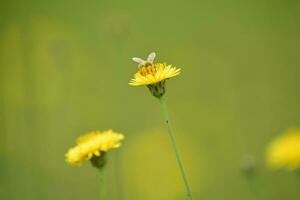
176 149
256 187
103 184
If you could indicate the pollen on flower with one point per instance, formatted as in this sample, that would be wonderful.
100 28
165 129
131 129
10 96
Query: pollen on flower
149 69
284 151
93 144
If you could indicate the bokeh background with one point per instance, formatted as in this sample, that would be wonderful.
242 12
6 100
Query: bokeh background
64 68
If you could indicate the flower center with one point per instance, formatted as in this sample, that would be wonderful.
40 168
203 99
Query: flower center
148 68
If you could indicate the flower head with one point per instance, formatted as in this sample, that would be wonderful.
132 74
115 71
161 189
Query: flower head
153 75
284 151
92 146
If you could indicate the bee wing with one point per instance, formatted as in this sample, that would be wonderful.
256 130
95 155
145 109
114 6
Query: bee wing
151 57
139 61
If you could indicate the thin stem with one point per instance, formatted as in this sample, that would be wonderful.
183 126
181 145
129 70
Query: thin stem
256 187
103 184
176 149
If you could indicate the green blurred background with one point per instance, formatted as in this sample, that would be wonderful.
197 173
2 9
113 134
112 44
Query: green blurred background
64 68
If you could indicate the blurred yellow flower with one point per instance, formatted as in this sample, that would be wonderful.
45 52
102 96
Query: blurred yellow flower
284 151
92 144
154 73
155 166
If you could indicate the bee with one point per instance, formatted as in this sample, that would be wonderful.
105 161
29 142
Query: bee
145 63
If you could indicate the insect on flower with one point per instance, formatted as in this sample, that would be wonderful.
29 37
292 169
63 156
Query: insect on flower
153 75
145 63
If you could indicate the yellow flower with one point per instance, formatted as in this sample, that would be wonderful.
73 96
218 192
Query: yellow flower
153 75
284 151
93 144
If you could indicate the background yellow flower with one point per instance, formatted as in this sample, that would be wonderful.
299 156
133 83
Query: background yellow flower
93 144
151 167
284 151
